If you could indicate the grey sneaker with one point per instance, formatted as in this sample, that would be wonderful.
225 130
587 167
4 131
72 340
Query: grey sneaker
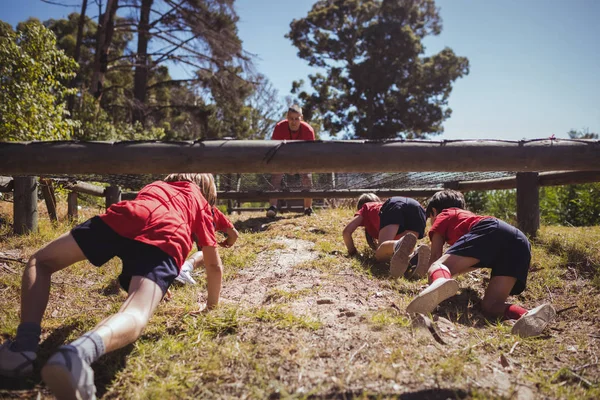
272 212
534 321
15 364
402 250
68 376
440 290
423 253
185 275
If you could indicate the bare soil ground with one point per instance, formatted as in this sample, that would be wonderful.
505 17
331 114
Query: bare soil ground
299 319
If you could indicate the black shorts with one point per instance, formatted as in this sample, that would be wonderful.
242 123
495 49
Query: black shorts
499 246
99 243
405 212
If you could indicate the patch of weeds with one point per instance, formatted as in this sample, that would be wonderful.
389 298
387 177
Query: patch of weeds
224 320
285 296
385 318
327 264
282 318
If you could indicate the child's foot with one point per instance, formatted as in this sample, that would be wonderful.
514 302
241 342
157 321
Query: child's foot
68 376
534 321
15 364
185 275
422 255
402 250
440 290
272 212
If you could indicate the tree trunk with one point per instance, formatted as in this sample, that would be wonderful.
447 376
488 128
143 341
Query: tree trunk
75 80
140 80
106 27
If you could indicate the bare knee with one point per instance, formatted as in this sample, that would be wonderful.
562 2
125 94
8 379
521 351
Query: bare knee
137 321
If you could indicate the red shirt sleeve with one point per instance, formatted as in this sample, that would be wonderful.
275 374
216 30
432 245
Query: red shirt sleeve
441 224
279 131
205 230
221 221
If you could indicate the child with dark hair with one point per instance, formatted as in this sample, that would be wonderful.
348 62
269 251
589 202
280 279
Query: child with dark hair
152 235
478 241
391 228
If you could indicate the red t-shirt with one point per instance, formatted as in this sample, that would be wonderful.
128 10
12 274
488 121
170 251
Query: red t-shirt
282 131
370 214
166 215
452 223
221 221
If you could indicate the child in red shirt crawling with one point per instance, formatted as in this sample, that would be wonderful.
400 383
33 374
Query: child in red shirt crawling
391 228
152 235
221 224
479 242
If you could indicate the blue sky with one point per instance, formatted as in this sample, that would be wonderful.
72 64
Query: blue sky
535 64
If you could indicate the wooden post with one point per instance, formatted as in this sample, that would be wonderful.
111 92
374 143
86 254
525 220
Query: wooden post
528 202
25 204
49 197
72 210
113 195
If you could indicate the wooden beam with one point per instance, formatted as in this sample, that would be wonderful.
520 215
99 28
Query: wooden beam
47 187
272 156
327 194
84 187
528 203
25 204
72 209
544 179
6 184
113 195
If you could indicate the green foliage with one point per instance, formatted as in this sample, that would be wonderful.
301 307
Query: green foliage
32 89
377 83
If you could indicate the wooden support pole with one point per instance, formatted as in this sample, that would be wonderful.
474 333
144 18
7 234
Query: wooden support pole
49 198
528 203
85 188
274 156
113 195
72 209
25 204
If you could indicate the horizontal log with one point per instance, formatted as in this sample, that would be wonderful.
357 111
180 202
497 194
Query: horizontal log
272 156
284 209
544 179
6 184
328 194
84 187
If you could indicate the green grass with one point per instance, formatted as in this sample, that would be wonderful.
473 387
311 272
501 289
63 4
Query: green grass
282 344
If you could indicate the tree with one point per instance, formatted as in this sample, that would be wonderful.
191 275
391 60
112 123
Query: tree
33 73
582 134
377 83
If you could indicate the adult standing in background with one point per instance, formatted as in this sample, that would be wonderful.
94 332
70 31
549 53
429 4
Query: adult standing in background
292 128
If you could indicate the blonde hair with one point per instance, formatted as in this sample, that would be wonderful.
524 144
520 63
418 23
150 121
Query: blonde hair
366 198
205 182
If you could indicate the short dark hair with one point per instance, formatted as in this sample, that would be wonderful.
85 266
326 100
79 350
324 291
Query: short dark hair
295 108
445 199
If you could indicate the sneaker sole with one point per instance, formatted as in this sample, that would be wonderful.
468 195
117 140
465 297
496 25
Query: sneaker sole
426 303
423 263
58 379
534 325
271 214
399 261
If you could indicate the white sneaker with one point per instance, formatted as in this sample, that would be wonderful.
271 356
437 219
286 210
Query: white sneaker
402 250
185 275
423 254
440 290
534 321
68 376
15 364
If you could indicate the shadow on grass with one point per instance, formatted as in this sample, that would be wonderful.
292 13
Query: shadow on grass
427 394
107 367
259 224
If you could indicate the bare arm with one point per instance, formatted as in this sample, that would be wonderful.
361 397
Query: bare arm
437 247
214 275
348 231
232 237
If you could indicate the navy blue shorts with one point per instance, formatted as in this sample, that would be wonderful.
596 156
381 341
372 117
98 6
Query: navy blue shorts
405 212
99 243
499 246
